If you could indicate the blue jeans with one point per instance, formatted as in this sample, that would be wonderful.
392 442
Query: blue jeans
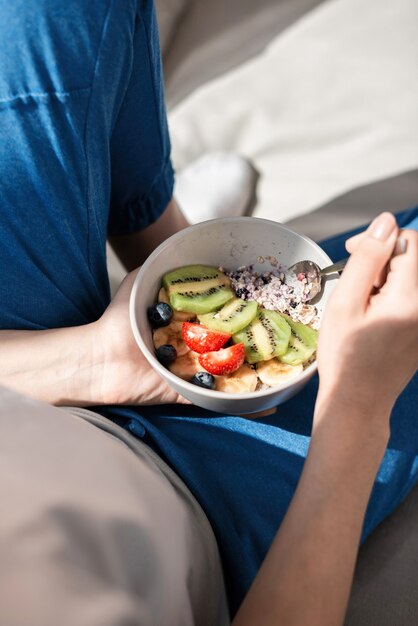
84 152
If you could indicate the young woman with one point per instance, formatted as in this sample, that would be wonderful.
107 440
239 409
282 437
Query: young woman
85 156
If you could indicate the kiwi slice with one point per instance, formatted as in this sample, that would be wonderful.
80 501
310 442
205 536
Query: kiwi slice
197 288
267 336
234 316
302 345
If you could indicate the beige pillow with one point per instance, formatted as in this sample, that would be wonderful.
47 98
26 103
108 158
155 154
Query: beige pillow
169 13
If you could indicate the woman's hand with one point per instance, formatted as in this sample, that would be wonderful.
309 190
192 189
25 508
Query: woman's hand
127 377
368 350
368 347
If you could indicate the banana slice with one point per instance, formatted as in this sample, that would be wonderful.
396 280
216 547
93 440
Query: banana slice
241 381
178 316
186 366
273 373
170 335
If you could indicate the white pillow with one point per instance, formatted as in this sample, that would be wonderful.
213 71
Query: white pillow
169 13
331 105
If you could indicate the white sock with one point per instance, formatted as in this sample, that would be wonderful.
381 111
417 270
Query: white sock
217 184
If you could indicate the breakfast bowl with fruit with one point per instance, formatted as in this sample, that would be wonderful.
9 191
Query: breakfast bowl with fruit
217 313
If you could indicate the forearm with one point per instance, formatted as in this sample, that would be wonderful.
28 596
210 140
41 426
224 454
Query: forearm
60 366
134 248
307 574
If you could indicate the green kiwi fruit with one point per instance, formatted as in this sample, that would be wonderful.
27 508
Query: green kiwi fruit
197 288
234 315
267 336
302 345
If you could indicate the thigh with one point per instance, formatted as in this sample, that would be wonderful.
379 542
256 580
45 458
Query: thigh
91 533
244 472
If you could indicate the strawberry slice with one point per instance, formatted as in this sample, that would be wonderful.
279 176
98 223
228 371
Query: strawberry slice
201 339
223 361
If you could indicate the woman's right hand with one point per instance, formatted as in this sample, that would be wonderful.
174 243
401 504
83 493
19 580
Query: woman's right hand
368 350
368 346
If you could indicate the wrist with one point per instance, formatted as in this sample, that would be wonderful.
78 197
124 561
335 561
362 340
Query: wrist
59 366
82 363
353 416
113 362
359 411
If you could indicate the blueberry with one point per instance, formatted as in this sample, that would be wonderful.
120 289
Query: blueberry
204 379
166 354
160 314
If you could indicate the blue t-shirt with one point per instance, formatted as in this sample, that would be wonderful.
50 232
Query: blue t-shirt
84 151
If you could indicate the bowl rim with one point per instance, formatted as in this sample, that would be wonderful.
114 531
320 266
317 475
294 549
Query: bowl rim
165 372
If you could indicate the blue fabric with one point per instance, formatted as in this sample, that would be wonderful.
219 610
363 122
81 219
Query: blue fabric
84 151
335 246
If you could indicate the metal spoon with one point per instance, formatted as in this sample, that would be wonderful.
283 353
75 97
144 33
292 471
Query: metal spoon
314 274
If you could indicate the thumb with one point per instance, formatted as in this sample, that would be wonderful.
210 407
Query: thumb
369 258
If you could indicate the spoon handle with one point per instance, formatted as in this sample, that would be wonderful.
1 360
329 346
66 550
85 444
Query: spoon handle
335 267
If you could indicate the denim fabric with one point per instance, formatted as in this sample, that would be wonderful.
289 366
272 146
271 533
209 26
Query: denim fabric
84 150
335 246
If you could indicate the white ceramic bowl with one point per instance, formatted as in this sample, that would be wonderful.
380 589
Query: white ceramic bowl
229 242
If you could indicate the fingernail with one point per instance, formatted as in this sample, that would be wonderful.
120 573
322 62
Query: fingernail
382 227
400 246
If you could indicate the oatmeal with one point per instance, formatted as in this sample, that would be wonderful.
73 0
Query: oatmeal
275 290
